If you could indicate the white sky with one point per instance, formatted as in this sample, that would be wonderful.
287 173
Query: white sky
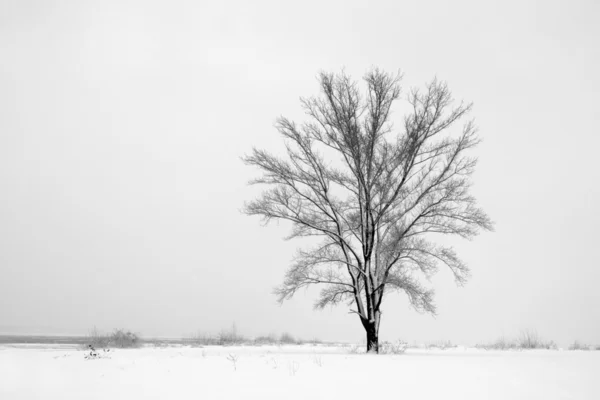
120 180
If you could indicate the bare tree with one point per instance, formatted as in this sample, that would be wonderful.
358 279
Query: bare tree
374 197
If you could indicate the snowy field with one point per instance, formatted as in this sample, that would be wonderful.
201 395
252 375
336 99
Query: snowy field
295 372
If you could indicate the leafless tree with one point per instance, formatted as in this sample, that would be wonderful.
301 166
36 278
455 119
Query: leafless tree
374 195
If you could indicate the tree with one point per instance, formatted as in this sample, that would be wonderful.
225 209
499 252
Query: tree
374 198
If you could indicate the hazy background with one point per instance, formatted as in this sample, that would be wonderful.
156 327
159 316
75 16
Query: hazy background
122 124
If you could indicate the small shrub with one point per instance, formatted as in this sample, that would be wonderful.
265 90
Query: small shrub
355 349
504 343
160 344
579 346
287 338
230 337
224 338
120 338
97 339
526 340
442 345
501 343
202 339
124 339
268 340
529 340
397 347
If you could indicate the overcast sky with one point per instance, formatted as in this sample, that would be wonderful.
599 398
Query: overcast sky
122 125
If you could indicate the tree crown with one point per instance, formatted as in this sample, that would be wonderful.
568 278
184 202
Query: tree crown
376 205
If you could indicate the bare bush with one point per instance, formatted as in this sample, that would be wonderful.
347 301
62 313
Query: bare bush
397 347
97 339
119 338
124 339
230 337
579 346
270 339
287 338
501 343
315 341
531 340
528 339
355 349
227 337
202 339
233 337
441 344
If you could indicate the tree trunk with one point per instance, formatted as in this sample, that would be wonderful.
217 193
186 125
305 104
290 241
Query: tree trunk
372 330
372 338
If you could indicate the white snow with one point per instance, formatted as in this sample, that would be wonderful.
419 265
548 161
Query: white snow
296 372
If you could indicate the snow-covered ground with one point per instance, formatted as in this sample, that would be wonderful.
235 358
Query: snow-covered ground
296 372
